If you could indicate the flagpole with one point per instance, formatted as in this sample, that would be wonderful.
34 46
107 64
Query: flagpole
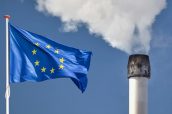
7 93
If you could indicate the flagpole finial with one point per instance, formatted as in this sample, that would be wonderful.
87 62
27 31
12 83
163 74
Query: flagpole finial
7 16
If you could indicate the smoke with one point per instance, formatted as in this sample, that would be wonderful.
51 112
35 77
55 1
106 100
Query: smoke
124 24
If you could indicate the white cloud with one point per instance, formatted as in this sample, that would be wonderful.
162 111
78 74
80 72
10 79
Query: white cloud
124 24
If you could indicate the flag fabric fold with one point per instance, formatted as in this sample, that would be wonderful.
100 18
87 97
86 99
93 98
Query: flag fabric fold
36 58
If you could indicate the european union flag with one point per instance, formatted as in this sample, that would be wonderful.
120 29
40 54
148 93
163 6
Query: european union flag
36 58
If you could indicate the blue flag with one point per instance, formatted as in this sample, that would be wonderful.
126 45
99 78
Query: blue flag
36 58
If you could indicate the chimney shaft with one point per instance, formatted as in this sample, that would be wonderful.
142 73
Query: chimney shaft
138 75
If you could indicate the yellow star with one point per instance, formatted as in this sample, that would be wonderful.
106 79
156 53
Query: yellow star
52 70
34 52
37 44
37 63
43 69
56 51
61 67
62 60
48 46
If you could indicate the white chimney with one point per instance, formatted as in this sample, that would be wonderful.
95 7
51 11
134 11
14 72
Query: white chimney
138 75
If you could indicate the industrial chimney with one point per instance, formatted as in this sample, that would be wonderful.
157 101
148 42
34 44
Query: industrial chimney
138 75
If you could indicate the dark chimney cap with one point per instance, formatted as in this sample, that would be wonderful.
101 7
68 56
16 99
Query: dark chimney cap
139 66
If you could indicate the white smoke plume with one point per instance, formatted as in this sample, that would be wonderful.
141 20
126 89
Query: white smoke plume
124 24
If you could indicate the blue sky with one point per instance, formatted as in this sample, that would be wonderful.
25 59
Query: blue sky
107 91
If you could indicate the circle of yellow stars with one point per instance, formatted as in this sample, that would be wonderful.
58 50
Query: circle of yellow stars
44 69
